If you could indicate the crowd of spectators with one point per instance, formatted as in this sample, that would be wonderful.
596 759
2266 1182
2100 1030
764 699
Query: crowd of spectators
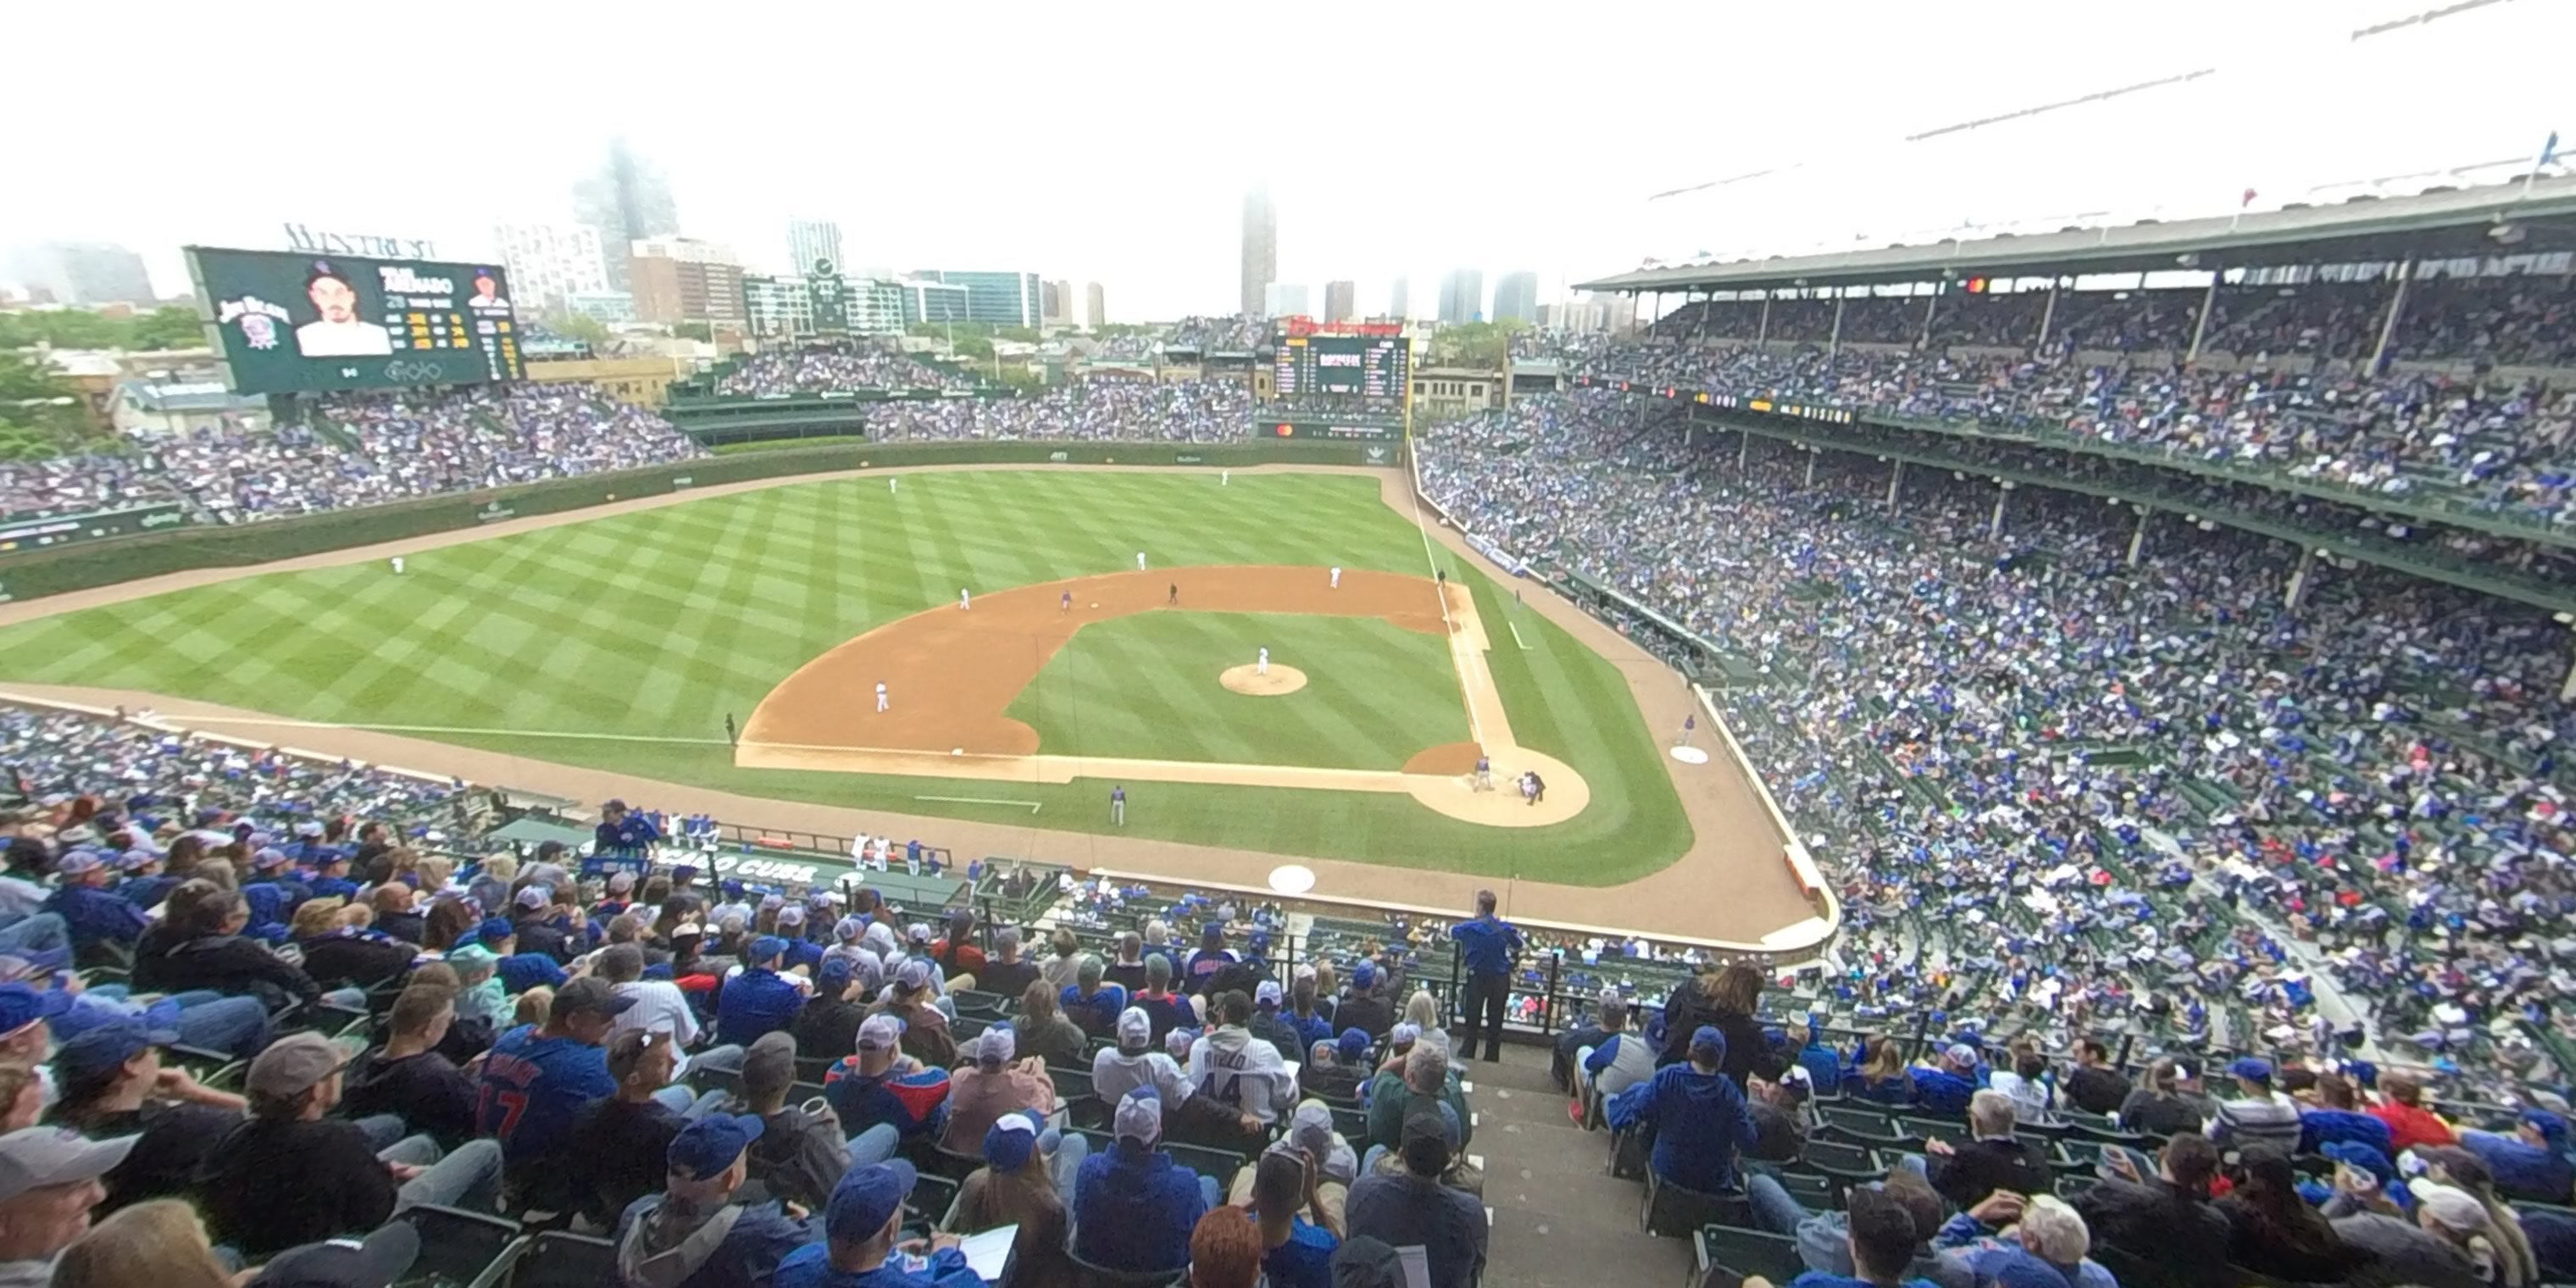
835 369
1188 411
1237 333
2092 768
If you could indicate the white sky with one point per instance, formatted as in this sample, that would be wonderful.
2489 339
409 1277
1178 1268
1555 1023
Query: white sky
1114 142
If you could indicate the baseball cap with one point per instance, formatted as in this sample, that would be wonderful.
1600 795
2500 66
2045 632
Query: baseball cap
612 803
1404 1035
1353 1045
881 1033
308 827
1179 1041
1312 1127
136 859
2366 1157
1707 1038
2455 1209
996 1046
1266 993
293 1064
471 955
711 1144
78 862
21 1006
848 929
268 858
26 963
832 976
917 933
1135 1028
792 915
914 973
1140 1116
35 1157
535 897
2552 1127
495 929
621 881
2252 1069
1425 1142
1961 1053
1013 1138
866 1199
108 1046
770 1064
764 948
1364 975
593 994
2185 1070
374 1262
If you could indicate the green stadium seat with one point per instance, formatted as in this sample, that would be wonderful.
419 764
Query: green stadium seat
563 1260
1669 1211
461 1247
1746 1252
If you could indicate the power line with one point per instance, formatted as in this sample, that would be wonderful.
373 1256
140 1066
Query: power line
2095 97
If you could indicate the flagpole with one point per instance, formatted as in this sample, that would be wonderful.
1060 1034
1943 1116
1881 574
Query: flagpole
2548 153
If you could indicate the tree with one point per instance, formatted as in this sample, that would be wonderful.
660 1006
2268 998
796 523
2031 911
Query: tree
171 327
693 331
1475 344
40 412
583 327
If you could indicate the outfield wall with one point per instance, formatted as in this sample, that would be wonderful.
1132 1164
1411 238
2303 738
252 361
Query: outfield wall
33 574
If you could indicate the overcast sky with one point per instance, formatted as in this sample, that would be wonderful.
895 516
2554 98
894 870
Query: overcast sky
1114 142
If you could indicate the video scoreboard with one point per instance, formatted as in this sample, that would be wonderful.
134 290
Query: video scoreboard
1370 360
288 322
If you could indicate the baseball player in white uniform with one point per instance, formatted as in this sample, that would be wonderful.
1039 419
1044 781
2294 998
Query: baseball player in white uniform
1140 561
1225 478
1262 667
1337 576
881 702
964 599
397 565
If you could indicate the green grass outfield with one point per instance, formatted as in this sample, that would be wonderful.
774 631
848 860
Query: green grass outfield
1146 686
621 643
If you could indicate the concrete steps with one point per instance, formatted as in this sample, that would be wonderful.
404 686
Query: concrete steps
1560 1221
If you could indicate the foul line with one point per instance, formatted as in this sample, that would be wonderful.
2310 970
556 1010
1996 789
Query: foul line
274 722
1516 634
1034 806
1440 588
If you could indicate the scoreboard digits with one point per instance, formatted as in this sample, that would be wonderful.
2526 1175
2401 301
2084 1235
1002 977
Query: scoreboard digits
1376 367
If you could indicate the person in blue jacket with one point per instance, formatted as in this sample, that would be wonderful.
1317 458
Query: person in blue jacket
1947 1087
694 1235
519 971
99 919
146 884
2531 1164
759 1000
860 1226
331 877
1489 945
1698 1116
1133 1207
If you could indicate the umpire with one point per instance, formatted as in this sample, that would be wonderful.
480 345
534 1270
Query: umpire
1489 944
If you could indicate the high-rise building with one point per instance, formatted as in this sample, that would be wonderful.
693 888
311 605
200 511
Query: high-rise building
1399 299
628 200
1462 295
551 263
1516 297
1341 301
84 273
1283 300
683 279
1260 247
1618 312
810 242
1056 303
927 299
1000 299
1098 314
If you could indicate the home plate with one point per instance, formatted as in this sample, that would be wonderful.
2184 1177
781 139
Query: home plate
1690 755
960 751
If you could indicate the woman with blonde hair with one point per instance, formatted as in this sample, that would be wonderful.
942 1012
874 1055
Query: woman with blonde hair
1422 1011
159 1242
1879 1073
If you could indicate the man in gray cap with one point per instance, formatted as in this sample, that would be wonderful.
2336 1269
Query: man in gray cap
49 1181
293 1175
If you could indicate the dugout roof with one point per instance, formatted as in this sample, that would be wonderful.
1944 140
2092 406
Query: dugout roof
2457 222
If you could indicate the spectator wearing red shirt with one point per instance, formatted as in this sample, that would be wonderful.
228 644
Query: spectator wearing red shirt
2410 1124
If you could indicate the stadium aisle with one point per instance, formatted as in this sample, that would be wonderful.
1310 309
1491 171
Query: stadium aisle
1560 1221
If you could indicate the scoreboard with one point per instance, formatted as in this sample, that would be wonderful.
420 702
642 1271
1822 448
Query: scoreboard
288 322
1375 363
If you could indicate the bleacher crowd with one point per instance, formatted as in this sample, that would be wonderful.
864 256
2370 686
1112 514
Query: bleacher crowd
1187 411
835 369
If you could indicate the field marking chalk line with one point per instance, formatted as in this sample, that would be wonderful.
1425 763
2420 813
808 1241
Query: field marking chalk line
1034 806
1515 628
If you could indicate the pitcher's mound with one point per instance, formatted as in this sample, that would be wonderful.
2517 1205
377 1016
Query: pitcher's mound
1282 679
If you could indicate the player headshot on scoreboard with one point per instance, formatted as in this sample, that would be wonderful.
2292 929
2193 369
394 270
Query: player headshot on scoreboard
487 291
339 332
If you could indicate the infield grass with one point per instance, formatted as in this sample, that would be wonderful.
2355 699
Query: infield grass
1146 686
574 643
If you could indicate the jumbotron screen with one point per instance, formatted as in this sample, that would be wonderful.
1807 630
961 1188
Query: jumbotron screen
290 322
1374 366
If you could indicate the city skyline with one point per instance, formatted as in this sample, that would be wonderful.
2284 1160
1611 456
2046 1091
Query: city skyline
1164 224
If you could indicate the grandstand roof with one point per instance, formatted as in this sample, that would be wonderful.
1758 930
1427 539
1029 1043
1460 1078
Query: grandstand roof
2455 221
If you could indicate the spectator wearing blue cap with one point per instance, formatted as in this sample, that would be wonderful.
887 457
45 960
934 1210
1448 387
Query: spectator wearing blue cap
537 1080
694 1234
519 971
1697 1114
1362 1006
1026 1172
2531 1163
2256 1115
861 1226
330 879
829 1021
1133 1207
208 1021
880 1084
270 867
2336 1116
103 924
1336 1069
622 834
112 1085
758 999
143 881
1490 945
1204 965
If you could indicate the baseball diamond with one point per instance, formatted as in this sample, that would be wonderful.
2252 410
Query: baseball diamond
621 639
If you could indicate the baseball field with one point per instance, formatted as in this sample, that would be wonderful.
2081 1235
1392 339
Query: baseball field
625 643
